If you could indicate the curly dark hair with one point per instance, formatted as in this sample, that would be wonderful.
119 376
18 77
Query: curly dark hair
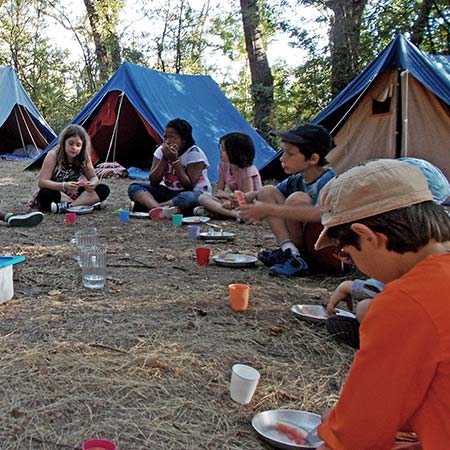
239 148
184 129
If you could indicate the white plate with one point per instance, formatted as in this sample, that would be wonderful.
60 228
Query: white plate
196 219
265 424
81 209
316 313
234 260
140 215
217 236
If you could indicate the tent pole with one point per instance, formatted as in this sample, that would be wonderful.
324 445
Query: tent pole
405 95
29 133
399 127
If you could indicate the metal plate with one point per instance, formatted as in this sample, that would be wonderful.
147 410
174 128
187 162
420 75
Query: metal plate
196 219
234 260
264 424
217 236
140 215
316 313
81 209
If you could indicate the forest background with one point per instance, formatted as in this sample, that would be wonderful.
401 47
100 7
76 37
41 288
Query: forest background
65 50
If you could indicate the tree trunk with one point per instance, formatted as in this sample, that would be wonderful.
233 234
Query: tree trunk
344 41
100 46
261 75
419 26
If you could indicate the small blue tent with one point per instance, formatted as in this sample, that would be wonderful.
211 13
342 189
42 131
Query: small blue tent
126 118
398 106
21 124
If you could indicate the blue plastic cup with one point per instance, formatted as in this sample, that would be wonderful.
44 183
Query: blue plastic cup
124 215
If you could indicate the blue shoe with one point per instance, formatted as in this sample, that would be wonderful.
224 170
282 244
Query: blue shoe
292 267
271 257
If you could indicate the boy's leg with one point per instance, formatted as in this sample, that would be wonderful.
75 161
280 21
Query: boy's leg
325 260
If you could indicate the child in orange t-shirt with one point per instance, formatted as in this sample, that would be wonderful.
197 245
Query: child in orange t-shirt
381 214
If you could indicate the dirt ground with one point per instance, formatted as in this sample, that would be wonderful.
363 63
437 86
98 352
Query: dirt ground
146 362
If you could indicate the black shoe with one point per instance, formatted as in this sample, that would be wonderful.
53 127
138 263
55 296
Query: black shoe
271 257
344 329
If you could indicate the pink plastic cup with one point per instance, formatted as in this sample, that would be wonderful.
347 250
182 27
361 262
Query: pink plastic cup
98 444
71 218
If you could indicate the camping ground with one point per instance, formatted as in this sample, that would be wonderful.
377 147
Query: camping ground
146 362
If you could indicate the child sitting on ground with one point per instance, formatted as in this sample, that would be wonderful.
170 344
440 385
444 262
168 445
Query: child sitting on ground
178 176
382 216
236 172
61 179
346 329
292 207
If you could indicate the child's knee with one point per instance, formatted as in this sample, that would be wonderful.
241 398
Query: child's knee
270 194
298 198
361 309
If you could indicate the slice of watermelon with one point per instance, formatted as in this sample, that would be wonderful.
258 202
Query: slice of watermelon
293 432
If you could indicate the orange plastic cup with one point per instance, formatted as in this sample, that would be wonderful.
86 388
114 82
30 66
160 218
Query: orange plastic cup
202 254
239 296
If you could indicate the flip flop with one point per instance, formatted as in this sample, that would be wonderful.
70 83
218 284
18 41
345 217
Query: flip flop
344 329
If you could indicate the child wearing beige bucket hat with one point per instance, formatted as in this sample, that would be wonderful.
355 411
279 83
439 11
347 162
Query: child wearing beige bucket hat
382 216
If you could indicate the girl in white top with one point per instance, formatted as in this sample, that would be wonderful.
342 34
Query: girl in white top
178 175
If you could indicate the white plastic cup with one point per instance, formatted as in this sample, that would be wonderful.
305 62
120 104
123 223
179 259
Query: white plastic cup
244 380
93 266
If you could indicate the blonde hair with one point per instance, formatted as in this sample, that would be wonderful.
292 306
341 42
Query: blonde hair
83 157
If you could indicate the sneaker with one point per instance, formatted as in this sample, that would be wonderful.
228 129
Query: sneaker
26 220
100 205
271 257
164 212
59 207
344 330
199 211
291 267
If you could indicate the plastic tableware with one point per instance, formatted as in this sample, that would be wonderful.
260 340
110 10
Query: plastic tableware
177 219
202 254
239 296
124 215
98 444
244 380
71 218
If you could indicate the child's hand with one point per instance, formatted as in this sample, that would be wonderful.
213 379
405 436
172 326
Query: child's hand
170 151
90 186
342 293
254 212
70 186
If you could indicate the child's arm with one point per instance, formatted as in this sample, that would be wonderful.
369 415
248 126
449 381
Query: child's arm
157 170
91 176
46 172
342 293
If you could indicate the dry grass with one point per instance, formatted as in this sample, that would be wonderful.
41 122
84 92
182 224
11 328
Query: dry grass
146 362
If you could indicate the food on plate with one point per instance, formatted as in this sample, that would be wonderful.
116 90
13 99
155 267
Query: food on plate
293 432
240 197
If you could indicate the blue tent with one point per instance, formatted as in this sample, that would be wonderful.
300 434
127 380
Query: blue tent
398 106
126 118
21 124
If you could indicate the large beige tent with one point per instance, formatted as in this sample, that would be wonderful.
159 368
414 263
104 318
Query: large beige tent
398 106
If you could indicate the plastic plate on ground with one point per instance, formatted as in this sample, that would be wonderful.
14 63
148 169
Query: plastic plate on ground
217 235
140 215
81 209
316 313
273 425
196 219
234 260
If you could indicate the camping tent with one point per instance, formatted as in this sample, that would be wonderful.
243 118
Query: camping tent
126 118
21 124
398 106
